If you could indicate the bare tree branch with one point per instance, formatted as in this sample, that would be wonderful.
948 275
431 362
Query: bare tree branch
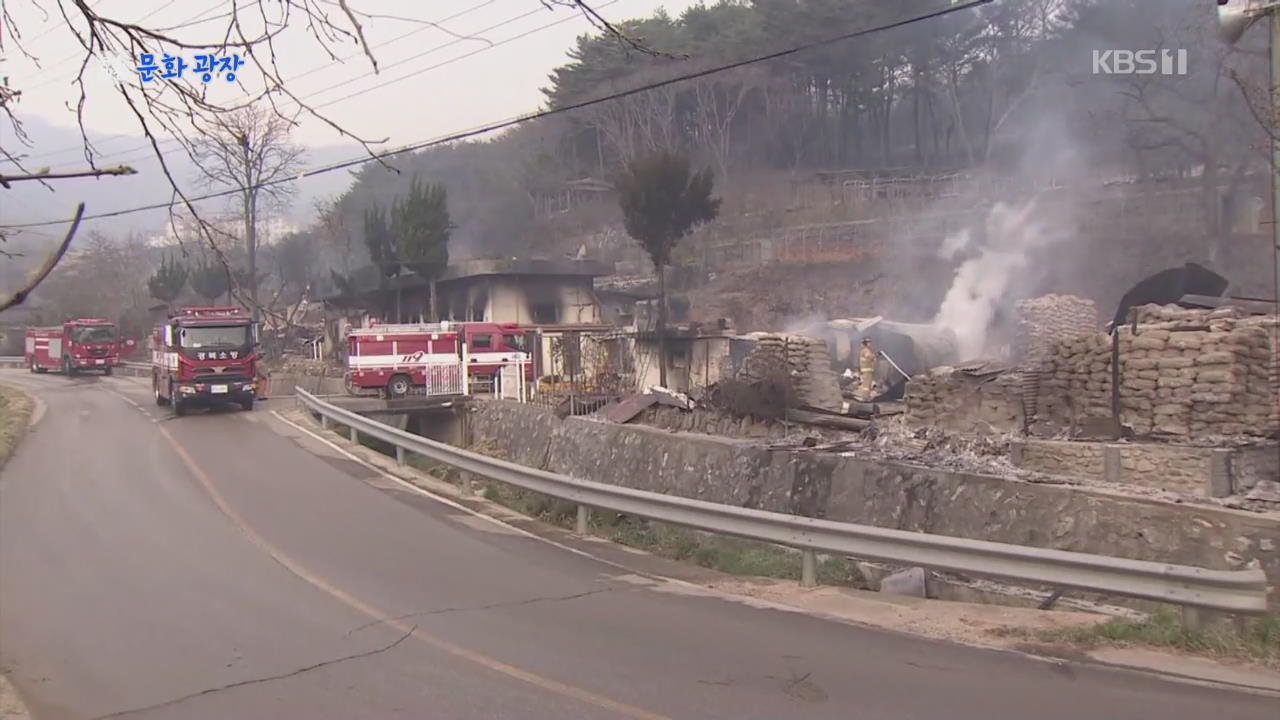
44 174
37 275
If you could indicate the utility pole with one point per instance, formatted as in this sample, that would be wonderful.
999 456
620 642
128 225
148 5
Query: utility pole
1274 99
1234 17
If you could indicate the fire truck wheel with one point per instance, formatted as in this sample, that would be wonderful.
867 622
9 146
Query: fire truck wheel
66 367
107 370
160 399
399 386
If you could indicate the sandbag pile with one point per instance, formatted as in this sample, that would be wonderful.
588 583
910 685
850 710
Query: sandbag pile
805 360
955 401
1185 373
1045 321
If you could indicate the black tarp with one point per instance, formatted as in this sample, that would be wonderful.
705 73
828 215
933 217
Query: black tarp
1168 286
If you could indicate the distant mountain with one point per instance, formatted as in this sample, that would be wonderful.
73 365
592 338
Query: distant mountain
57 147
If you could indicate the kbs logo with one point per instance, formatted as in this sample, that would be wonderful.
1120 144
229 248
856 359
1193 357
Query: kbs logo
1139 62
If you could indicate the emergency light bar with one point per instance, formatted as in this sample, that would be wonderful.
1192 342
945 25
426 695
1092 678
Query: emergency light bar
400 328
210 312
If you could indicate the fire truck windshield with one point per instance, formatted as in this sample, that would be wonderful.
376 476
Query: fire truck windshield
233 336
93 334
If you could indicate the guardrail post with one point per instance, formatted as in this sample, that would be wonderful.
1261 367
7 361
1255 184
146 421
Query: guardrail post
355 435
1192 618
580 527
324 422
808 569
399 455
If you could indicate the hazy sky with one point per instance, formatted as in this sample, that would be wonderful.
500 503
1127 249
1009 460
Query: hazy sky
474 83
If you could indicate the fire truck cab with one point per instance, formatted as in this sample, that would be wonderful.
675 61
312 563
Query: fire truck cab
74 346
205 356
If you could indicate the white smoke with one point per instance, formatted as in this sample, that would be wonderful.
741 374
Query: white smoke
983 281
799 324
952 245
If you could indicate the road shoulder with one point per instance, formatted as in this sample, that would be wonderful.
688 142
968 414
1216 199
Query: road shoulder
986 626
15 415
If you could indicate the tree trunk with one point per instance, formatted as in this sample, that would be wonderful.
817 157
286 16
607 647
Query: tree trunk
886 140
857 137
250 228
662 325
959 121
936 144
1211 202
915 123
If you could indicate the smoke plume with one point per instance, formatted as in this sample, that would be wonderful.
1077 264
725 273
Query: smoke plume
994 258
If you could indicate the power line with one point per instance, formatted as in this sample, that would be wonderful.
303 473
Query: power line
58 26
290 104
193 20
173 142
452 60
955 6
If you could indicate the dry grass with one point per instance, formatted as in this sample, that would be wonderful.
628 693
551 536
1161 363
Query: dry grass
15 411
1256 639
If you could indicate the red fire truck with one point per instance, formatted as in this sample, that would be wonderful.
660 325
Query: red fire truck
205 356
76 345
428 358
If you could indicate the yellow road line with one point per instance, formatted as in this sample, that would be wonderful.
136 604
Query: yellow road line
553 686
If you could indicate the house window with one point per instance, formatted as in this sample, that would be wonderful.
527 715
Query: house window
545 313
482 342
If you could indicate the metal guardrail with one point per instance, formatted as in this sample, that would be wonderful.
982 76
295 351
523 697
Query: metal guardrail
1236 591
135 369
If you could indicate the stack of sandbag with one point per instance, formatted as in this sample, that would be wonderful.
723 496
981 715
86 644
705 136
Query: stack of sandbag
1185 373
767 359
816 383
1049 319
804 360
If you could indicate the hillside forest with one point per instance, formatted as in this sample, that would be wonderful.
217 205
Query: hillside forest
1009 89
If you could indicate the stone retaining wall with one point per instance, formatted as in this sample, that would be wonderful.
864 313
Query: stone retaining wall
519 432
1253 465
710 422
284 385
1180 469
884 494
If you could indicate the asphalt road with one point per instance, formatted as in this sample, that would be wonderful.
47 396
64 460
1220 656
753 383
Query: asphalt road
212 567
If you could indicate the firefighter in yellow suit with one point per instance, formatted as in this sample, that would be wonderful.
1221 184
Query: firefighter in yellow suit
867 370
